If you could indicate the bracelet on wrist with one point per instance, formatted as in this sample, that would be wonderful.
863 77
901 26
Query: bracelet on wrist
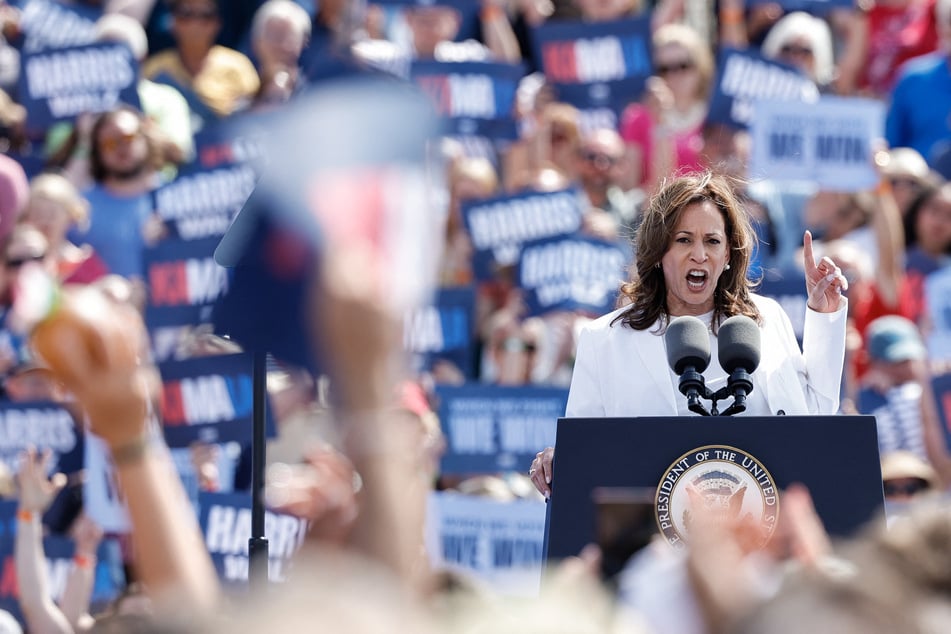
491 12
731 16
131 452
84 561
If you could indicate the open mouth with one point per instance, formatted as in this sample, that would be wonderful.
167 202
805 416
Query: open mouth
696 279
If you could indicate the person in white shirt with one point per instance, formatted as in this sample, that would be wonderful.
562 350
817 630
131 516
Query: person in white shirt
693 251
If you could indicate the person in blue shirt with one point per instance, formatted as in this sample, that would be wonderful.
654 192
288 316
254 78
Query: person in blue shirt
124 162
921 100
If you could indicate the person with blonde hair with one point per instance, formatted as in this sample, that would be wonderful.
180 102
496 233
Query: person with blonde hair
663 131
803 41
470 179
56 206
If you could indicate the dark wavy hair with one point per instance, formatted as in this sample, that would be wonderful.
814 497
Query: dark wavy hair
647 292
928 194
97 167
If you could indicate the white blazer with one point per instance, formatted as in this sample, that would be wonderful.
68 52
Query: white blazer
620 371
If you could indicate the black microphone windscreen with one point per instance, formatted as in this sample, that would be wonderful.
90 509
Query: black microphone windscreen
738 344
688 344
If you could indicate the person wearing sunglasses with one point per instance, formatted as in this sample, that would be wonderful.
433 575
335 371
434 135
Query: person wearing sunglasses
804 42
662 132
907 476
222 79
601 160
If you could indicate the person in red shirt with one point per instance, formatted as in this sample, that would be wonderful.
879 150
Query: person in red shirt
894 31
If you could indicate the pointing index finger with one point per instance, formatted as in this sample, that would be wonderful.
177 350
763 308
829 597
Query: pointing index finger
808 259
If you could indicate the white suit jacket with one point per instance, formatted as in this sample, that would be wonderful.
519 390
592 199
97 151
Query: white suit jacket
620 371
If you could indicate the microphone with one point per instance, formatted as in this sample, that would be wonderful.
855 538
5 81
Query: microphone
688 354
738 349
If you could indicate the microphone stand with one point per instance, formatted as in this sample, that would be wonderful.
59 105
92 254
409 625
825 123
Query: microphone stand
258 543
739 384
691 385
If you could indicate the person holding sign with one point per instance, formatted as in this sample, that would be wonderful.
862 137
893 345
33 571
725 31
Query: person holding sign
693 252
663 131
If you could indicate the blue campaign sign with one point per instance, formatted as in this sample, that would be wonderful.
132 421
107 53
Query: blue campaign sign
52 24
941 385
597 67
226 524
60 84
8 518
443 330
790 291
240 138
494 428
476 98
746 76
42 425
201 203
594 52
499 226
572 273
33 163
815 7
184 282
601 103
208 399
468 12
59 562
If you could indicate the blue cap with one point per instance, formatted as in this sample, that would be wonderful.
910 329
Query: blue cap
894 339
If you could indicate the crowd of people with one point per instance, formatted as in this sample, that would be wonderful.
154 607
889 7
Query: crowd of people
358 444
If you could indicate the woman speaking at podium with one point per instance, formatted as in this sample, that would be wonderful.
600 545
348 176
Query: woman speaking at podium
693 250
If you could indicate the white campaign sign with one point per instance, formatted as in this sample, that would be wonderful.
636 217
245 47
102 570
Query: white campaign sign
828 143
101 496
938 300
499 543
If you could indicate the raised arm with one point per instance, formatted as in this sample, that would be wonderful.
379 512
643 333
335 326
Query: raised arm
82 576
890 239
936 447
497 32
96 347
824 280
36 493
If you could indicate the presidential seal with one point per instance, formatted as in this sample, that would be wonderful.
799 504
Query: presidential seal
720 482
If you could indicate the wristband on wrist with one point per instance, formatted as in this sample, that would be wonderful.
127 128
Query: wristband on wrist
82 561
731 16
131 452
491 12
25 515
